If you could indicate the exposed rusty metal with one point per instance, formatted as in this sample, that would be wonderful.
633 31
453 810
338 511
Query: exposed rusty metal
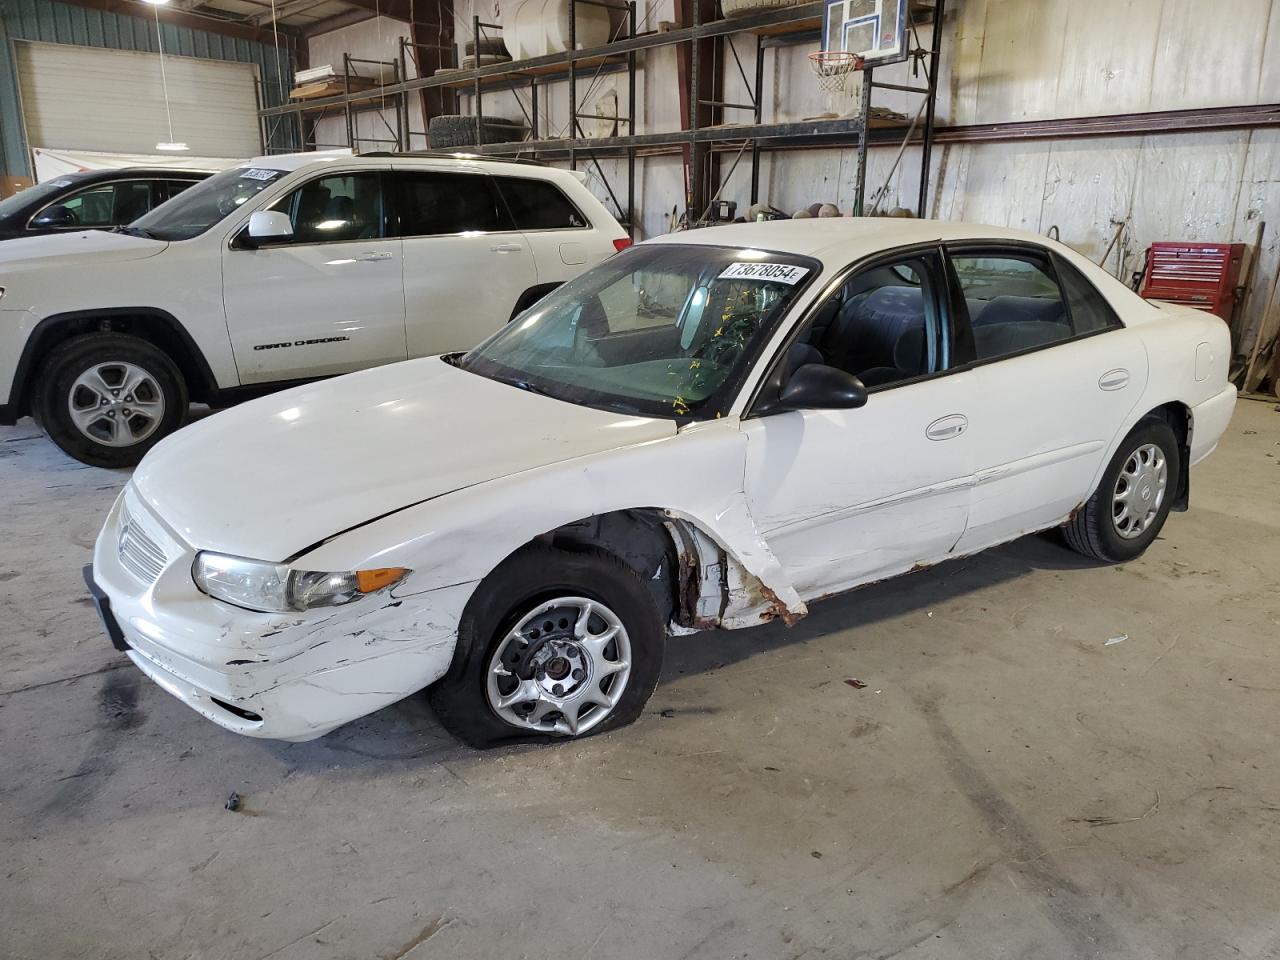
776 607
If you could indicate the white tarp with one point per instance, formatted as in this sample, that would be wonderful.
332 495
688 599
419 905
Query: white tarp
55 163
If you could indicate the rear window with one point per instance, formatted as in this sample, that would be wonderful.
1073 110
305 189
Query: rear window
539 205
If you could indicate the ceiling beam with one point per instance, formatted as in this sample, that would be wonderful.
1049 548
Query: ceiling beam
287 8
336 22
186 18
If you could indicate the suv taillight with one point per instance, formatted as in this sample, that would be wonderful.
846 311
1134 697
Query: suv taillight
621 244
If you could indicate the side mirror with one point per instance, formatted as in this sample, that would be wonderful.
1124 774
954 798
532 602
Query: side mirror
268 226
816 386
56 216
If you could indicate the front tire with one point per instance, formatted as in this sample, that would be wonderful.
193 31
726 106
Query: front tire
1126 512
553 645
108 398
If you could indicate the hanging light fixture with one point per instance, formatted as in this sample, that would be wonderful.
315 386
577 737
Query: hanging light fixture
170 145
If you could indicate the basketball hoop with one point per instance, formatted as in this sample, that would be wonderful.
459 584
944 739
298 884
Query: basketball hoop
832 68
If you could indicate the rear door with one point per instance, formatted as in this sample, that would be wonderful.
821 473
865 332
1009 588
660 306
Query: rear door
1057 374
327 301
564 242
465 265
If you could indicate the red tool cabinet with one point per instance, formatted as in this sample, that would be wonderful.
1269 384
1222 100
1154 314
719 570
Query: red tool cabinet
1200 275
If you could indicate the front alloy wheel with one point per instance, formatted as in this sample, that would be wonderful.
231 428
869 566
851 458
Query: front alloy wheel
554 644
561 669
116 403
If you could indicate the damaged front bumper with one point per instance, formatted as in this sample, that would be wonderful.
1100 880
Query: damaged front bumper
289 676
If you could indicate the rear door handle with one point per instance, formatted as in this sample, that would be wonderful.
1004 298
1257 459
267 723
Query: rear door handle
1116 379
506 248
944 428
373 256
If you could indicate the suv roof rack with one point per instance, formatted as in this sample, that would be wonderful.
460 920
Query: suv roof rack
451 155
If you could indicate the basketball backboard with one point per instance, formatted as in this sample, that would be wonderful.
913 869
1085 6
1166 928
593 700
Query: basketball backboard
876 30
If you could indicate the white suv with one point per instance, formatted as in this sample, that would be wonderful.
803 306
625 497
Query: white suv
282 270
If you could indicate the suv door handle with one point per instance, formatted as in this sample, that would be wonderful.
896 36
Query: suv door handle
1114 379
944 428
373 256
506 248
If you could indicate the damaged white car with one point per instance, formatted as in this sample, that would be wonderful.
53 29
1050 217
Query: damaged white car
708 430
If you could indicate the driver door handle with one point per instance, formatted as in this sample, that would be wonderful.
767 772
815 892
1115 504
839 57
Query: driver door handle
944 428
506 248
373 256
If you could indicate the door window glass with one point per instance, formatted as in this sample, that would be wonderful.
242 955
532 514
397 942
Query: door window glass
1014 303
175 187
432 204
108 204
539 205
882 326
346 206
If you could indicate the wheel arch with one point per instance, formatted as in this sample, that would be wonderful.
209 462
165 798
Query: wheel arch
152 324
532 296
1179 417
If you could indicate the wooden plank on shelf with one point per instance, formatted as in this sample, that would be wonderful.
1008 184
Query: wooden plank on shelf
331 88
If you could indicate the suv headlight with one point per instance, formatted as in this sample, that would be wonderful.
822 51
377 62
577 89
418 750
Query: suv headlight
278 588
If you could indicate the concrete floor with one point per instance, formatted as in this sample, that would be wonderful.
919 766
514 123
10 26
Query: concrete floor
1006 785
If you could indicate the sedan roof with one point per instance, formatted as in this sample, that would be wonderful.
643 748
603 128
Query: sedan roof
847 237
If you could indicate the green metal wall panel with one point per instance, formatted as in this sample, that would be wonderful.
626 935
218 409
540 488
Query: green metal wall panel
52 22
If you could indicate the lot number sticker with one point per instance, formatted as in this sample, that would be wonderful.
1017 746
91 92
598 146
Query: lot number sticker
257 173
772 272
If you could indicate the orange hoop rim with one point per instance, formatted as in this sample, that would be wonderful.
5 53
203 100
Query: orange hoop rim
835 60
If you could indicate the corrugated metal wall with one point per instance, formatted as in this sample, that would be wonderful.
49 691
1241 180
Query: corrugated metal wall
65 23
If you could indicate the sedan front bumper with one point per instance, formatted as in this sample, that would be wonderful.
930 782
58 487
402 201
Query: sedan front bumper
289 676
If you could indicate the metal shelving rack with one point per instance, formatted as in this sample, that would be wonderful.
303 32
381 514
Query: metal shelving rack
773 28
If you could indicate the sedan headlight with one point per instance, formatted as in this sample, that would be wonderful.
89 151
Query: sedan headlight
278 588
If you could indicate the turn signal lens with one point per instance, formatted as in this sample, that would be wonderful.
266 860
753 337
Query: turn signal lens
368 581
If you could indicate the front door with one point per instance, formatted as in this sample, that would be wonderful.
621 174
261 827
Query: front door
465 264
328 301
847 496
1057 374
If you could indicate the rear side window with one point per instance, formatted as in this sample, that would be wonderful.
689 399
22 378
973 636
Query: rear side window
1013 300
434 204
539 205
1088 308
105 205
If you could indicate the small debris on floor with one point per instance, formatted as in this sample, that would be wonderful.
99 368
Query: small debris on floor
855 682
233 802
1114 640
816 854
1249 433
667 714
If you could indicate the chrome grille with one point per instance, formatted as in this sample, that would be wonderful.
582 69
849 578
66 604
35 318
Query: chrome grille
139 553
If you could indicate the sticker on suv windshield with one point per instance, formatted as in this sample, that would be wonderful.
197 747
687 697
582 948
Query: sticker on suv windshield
258 173
772 272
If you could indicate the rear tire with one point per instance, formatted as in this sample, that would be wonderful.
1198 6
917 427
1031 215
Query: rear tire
1127 511
108 398
539 624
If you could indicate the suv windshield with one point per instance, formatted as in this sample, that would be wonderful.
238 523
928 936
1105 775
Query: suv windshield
663 330
19 201
198 208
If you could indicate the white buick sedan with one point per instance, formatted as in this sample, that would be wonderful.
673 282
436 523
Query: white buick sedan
708 430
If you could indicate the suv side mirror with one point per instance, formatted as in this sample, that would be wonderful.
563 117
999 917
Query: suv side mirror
267 226
816 386
56 216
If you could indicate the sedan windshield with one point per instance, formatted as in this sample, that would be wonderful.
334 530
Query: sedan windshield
198 208
665 330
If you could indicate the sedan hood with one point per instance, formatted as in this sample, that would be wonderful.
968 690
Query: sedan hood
274 476
100 246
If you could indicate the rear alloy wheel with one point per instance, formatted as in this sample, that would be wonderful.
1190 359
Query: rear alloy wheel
554 644
106 399
1132 501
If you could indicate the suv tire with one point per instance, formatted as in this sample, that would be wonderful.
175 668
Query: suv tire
108 398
